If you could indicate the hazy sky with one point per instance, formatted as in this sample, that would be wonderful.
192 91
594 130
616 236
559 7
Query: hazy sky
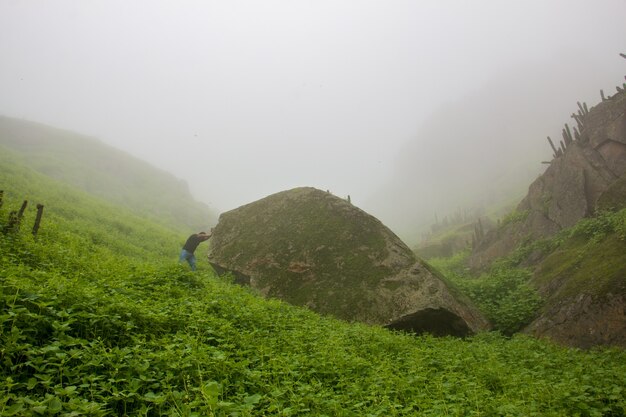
246 98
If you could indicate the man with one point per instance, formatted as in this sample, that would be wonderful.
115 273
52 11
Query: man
190 246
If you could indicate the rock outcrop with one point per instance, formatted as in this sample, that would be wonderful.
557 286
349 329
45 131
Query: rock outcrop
578 178
583 286
584 321
584 290
311 248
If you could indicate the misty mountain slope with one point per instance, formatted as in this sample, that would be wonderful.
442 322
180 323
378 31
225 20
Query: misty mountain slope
570 231
482 149
70 212
556 264
104 171
587 170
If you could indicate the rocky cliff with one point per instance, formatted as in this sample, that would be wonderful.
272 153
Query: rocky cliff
311 248
583 278
585 171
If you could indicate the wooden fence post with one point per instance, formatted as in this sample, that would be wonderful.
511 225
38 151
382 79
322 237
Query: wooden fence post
11 224
22 209
15 218
38 219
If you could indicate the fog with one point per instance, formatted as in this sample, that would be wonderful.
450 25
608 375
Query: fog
479 153
246 98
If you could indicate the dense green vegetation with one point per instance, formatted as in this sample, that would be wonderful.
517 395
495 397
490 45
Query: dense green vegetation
98 319
594 247
503 293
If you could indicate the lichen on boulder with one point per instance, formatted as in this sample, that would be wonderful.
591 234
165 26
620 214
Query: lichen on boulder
311 248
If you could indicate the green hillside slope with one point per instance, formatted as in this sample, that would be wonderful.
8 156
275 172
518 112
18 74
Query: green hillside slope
550 281
106 172
70 214
99 320
595 247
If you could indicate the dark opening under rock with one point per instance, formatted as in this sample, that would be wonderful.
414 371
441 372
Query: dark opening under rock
436 321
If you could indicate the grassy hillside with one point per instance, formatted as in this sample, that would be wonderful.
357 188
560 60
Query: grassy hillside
588 258
105 172
98 319
592 255
70 213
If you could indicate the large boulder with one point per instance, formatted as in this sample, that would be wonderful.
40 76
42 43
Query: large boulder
311 248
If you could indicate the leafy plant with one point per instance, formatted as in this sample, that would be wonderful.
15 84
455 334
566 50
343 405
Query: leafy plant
503 293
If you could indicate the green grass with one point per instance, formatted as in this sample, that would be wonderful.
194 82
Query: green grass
76 218
98 319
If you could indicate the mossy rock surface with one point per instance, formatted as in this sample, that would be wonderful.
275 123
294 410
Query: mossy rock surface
311 248
583 283
614 198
